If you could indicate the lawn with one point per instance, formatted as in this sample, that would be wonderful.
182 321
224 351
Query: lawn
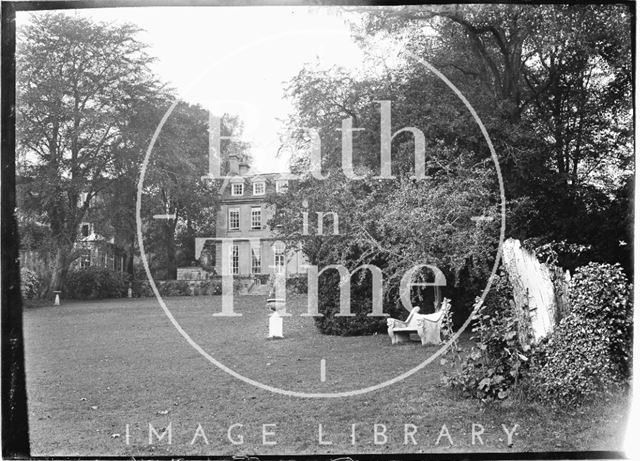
96 368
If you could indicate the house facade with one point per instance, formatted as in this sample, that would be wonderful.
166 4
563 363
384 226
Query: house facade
96 250
243 216
92 247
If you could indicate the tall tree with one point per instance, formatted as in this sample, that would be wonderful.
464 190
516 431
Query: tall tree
394 224
524 82
173 184
564 70
76 81
553 85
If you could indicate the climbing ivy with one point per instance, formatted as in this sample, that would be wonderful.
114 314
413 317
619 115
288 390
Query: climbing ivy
496 360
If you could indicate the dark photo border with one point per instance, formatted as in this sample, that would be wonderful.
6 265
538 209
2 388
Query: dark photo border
15 430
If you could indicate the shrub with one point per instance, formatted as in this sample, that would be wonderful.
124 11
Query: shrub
496 361
329 305
573 364
589 353
142 288
297 284
95 283
174 288
211 287
29 283
601 293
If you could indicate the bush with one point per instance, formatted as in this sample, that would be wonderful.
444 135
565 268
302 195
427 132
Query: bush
95 283
174 288
142 288
496 362
601 293
210 287
297 284
573 364
329 305
29 283
589 353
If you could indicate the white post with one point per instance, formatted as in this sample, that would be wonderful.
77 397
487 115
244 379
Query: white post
275 326
57 300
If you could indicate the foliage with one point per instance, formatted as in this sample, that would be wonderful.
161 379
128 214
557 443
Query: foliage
329 306
564 254
142 288
496 361
76 83
95 283
33 234
397 223
590 351
601 293
561 71
573 365
297 284
87 86
552 84
29 283
173 185
557 106
176 288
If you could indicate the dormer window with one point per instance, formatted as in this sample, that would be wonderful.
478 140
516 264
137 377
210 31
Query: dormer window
237 189
282 186
258 188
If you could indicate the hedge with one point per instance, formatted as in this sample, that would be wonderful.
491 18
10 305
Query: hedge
98 283
95 283
142 288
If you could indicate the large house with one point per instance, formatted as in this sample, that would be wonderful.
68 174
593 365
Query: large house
243 216
95 249
92 246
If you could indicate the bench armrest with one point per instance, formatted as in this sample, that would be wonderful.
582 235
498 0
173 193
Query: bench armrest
395 323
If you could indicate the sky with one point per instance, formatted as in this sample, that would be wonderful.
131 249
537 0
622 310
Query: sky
237 60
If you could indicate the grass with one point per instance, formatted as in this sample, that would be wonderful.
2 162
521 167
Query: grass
95 367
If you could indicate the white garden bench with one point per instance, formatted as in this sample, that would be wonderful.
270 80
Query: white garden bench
427 326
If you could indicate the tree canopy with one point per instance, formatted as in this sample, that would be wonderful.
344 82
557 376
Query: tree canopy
77 81
552 85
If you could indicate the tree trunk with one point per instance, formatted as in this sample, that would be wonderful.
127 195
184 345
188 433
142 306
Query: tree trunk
190 244
60 268
130 249
172 271
536 297
129 263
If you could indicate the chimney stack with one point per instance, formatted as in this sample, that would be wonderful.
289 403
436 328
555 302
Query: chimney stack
244 168
234 162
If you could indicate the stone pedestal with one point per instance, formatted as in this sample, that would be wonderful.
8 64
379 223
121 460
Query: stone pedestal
275 326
